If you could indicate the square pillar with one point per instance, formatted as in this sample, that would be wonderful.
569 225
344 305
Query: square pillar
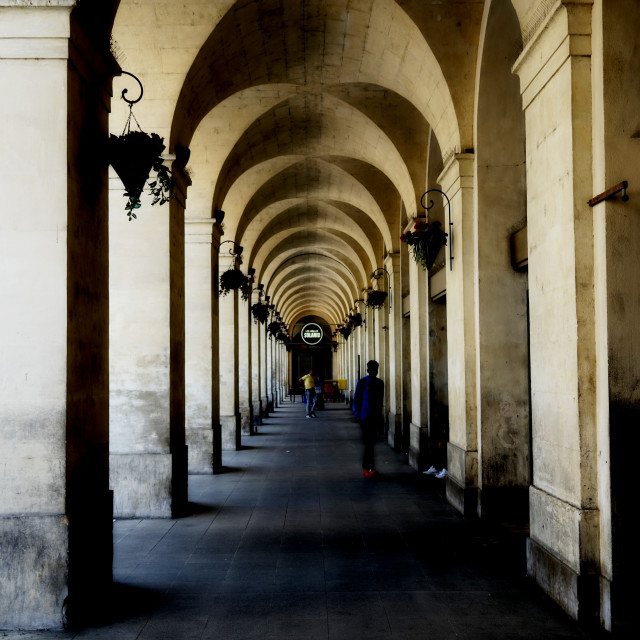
456 181
393 321
555 80
202 425
228 387
55 504
419 363
148 454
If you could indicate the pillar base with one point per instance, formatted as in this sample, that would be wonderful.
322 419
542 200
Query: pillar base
462 471
418 446
141 484
200 443
245 421
394 436
33 551
555 578
230 428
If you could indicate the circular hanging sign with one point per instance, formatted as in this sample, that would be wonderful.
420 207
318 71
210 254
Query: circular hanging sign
311 333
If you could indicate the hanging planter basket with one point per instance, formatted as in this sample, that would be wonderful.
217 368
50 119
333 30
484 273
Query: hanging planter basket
274 328
245 290
345 331
260 312
355 320
376 299
232 279
425 241
134 155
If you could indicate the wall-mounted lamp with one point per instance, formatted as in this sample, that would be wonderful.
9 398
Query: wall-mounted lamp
218 215
251 272
426 208
236 250
260 287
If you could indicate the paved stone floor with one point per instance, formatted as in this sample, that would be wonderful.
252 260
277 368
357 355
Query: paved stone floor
291 541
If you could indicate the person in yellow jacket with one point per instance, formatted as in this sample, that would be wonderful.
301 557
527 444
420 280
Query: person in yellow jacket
310 390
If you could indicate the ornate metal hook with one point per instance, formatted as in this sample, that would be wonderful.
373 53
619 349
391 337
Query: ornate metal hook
132 102
236 250
426 208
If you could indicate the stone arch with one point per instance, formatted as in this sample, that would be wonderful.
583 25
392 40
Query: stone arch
299 239
237 56
312 178
315 125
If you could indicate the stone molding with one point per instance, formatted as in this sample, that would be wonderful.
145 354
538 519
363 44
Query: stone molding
565 32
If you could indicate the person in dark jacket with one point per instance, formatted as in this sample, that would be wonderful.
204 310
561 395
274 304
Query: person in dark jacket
367 408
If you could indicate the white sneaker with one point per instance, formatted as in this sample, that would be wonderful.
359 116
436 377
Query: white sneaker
431 471
442 474
308 416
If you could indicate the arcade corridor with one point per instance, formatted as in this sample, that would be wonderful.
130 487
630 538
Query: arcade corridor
290 541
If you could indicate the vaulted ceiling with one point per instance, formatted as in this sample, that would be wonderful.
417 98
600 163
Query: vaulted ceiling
309 124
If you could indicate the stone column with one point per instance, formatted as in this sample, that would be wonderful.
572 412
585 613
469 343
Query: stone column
419 363
462 452
244 366
264 398
555 80
254 337
393 322
270 404
202 238
228 387
55 502
146 339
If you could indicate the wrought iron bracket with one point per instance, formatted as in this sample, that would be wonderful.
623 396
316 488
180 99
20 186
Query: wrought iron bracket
124 91
236 250
426 208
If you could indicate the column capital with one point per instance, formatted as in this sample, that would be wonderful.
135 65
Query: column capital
35 29
457 173
565 31
392 261
200 231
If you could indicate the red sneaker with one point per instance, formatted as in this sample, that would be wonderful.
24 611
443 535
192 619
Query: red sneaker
366 473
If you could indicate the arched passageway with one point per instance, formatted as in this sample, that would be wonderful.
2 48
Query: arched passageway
301 137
